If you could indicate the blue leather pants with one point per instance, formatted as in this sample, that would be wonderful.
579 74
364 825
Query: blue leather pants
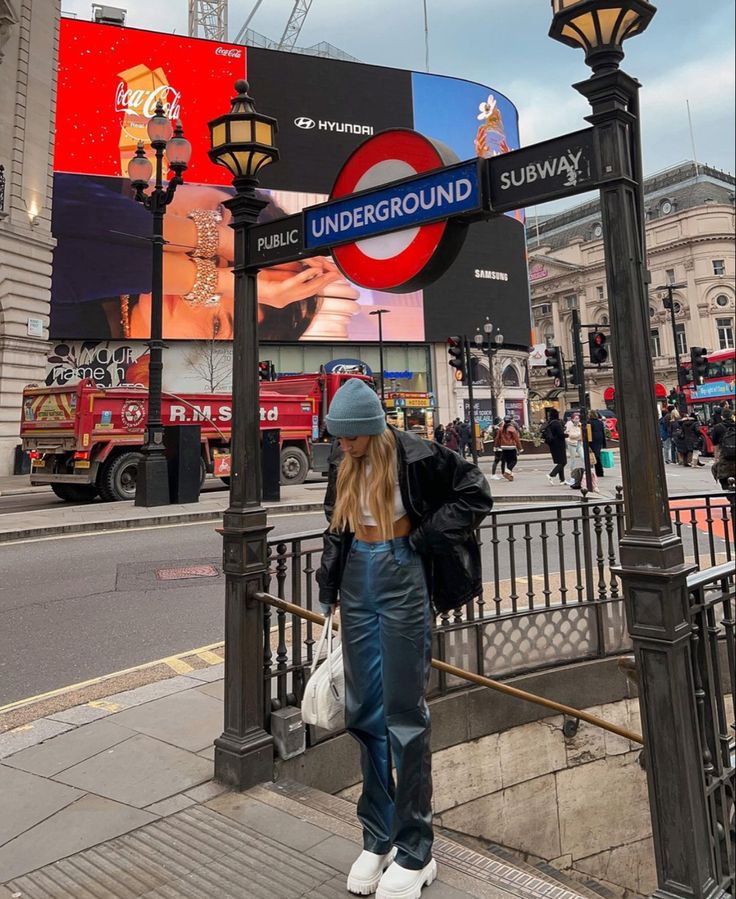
386 637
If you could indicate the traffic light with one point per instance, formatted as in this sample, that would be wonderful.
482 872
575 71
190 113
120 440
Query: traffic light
266 370
699 363
456 352
573 372
598 349
685 374
554 362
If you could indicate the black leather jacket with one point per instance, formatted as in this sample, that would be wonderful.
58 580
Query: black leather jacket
446 499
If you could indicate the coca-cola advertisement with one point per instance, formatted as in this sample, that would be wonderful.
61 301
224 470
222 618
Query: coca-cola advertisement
110 81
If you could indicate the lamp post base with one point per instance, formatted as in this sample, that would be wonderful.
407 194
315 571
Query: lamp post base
244 763
152 484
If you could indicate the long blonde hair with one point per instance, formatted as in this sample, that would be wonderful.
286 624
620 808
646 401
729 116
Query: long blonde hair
378 486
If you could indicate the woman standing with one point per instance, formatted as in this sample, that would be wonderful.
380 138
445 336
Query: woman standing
597 440
554 436
508 443
402 513
574 440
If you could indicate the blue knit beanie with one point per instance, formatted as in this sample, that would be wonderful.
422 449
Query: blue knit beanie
355 411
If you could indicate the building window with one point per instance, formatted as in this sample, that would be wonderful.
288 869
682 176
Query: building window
510 377
599 292
544 309
571 301
669 276
604 320
549 337
652 312
719 267
654 343
724 327
681 340
722 300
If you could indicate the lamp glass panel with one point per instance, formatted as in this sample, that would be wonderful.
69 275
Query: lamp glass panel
573 35
178 151
264 133
607 19
219 135
586 23
241 131
242 160
227 159
258 160
628 17
160 128
140 169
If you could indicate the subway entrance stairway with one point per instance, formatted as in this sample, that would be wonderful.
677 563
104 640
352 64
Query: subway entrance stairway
276 841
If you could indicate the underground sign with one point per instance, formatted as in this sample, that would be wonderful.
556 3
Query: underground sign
402 236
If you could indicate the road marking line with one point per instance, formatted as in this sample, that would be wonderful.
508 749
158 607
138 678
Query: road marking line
104 705
178 665
210 657
20 703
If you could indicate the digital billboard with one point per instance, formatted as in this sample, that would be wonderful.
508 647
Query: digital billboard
109 82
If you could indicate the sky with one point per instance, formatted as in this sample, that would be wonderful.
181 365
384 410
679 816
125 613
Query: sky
686 54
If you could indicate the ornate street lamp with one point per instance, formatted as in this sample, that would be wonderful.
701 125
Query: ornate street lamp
152 484
687 843
380 313
599 27
486 341
242 140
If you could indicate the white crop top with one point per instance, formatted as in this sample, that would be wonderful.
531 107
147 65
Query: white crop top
366 516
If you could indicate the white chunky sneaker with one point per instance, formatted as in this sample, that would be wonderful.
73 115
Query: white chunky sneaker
401 883
366 872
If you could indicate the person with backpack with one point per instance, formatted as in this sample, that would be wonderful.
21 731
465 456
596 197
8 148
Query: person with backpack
553 435
402 514
724 439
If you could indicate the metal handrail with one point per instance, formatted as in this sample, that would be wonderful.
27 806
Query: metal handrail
315 618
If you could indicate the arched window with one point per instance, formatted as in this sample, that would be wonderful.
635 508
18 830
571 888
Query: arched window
549 336
604 320
510 377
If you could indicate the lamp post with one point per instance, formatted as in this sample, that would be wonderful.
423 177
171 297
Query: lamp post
652 570
242 140
669 303
152 481
487 342
380 313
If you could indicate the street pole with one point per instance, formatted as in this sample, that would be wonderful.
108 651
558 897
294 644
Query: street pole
582 396
652 569
152 480
681 401
380 313
244 751
471 401
490 381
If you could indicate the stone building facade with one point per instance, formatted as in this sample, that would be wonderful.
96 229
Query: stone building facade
690 243
28 53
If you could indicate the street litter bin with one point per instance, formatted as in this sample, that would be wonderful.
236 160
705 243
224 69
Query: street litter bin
271 464
182 444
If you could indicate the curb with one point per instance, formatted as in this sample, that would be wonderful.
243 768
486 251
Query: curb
24 491
90 527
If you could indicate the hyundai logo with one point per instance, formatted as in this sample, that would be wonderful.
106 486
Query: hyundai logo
304 122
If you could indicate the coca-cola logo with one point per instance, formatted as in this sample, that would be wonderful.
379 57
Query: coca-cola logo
229 51
143 102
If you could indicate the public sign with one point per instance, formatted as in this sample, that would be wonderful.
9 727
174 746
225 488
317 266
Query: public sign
278 241
546 171
402 238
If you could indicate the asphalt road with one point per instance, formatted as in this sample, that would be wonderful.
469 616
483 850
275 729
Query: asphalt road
75 608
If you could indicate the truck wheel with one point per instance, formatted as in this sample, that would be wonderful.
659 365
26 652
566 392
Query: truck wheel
119 476
294 465
75 493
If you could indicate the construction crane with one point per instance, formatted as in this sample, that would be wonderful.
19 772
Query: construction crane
208 19
292 29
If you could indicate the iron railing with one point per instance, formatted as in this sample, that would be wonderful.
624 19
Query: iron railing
712 605
551 593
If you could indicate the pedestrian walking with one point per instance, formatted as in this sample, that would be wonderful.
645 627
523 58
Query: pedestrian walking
498 458
723 436
508 443
574 446
464 435
597 440
452 440
674 420
402 513
685 435
665 427
554 436
439 433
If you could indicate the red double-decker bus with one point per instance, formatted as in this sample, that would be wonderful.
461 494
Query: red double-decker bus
717 386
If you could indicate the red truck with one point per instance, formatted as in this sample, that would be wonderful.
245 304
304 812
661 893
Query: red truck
84 440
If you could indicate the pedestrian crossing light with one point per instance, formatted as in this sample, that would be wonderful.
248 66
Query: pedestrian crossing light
554 362
699 363
456 352
598 349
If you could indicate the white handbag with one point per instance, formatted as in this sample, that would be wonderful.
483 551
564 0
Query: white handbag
323 703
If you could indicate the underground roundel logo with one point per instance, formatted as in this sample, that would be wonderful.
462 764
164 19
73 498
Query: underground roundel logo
399 261
132 414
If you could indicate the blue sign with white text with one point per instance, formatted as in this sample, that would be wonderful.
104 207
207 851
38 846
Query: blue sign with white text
712 390
418 201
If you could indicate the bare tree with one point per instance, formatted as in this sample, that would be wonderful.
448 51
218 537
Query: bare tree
210 362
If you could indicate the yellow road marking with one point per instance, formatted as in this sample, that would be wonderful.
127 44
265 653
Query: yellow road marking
20 703
178 665
210 657
104 705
